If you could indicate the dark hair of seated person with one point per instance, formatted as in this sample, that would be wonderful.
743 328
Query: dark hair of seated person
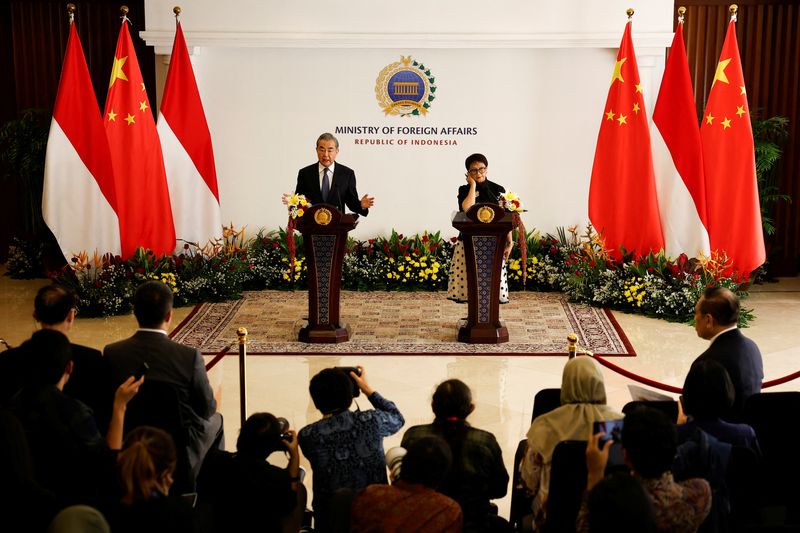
708 391
152 302
53 304
331 390
147 458
619 504
48 352
260 436
426 462
650 441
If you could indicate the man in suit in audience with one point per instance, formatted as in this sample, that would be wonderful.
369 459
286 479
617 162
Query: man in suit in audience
170 362
329 182
715 318
54 308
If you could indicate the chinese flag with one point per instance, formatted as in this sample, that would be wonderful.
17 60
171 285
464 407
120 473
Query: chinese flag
734 215
145 216
79 199
678 159
622 196
188 154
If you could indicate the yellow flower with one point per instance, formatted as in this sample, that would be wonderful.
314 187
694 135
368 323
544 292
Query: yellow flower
389 275
401 268
299 212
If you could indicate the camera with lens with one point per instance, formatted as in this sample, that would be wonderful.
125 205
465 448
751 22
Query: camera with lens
284 429
356 391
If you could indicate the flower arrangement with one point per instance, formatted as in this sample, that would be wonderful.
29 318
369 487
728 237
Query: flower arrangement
574 262
297 205
511 202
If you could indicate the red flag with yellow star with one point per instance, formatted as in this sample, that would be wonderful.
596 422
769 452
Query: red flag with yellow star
734 214
145 216
623 206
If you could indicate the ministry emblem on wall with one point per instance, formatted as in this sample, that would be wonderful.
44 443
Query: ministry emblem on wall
405 88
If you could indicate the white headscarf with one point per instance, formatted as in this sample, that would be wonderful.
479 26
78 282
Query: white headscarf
583 401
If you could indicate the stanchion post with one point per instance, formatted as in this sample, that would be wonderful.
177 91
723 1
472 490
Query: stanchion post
242 334
572 345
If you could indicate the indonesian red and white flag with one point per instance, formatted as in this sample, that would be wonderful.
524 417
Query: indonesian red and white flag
143 205
78 199
622 196
734 213
678 159
188 154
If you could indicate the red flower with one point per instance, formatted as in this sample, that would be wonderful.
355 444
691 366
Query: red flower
416 251
371 241
578 273
425 238
592 263
186 246
275 245
453 239
650 269
139 270
386 247
553 249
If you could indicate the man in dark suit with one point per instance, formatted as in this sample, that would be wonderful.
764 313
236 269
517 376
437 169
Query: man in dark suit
170 362
54 308
715 318
329 182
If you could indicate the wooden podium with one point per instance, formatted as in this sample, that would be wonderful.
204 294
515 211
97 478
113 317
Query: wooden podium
324 229
484 228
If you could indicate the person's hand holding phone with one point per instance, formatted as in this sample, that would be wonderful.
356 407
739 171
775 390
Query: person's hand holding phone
596 458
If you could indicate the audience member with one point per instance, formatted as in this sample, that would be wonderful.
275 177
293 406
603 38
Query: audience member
24 505
707 396
55 308
478 473
583 402
617 503
69 455
345 448
145 467
79 519
649 443
170 362
245 492
715 318
411 503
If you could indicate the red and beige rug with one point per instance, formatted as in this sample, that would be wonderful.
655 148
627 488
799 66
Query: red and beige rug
401 323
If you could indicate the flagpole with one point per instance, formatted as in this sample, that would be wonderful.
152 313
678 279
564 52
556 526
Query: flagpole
124 10
733 9
71 12
177 11
630 12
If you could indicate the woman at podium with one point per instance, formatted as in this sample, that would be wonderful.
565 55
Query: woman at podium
477 190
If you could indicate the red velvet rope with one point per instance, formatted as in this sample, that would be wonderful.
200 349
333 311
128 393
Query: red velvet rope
217 357
678 390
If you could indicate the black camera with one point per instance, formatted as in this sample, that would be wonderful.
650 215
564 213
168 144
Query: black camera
356 390
284 429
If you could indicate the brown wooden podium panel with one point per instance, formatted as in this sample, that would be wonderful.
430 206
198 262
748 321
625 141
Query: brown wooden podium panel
484 229
324 229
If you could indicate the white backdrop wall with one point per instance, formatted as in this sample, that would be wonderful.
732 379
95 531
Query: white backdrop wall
531 78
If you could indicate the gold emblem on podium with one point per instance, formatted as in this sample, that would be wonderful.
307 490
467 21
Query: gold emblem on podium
485 214
323 217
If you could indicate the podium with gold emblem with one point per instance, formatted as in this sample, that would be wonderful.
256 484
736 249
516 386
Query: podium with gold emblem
324 229
484 228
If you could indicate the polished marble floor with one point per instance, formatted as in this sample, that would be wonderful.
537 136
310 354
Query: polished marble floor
503 387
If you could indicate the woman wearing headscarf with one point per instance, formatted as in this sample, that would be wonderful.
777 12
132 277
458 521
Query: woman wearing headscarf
583 402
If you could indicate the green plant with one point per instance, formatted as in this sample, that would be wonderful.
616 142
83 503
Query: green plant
22 151
767 134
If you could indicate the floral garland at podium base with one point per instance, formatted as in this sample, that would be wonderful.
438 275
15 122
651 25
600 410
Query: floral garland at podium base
297 204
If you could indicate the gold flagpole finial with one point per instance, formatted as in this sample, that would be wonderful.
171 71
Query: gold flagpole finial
630 12
681 13
177 11
124 10
71 12
734 9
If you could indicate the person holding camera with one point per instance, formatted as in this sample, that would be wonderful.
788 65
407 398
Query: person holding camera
245 492
345 448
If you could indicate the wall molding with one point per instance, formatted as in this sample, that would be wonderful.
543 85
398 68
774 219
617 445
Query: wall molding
162 40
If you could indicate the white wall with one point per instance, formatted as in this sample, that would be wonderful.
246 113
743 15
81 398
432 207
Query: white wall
532 77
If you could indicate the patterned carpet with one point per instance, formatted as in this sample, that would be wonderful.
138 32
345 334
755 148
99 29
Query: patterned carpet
402 323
